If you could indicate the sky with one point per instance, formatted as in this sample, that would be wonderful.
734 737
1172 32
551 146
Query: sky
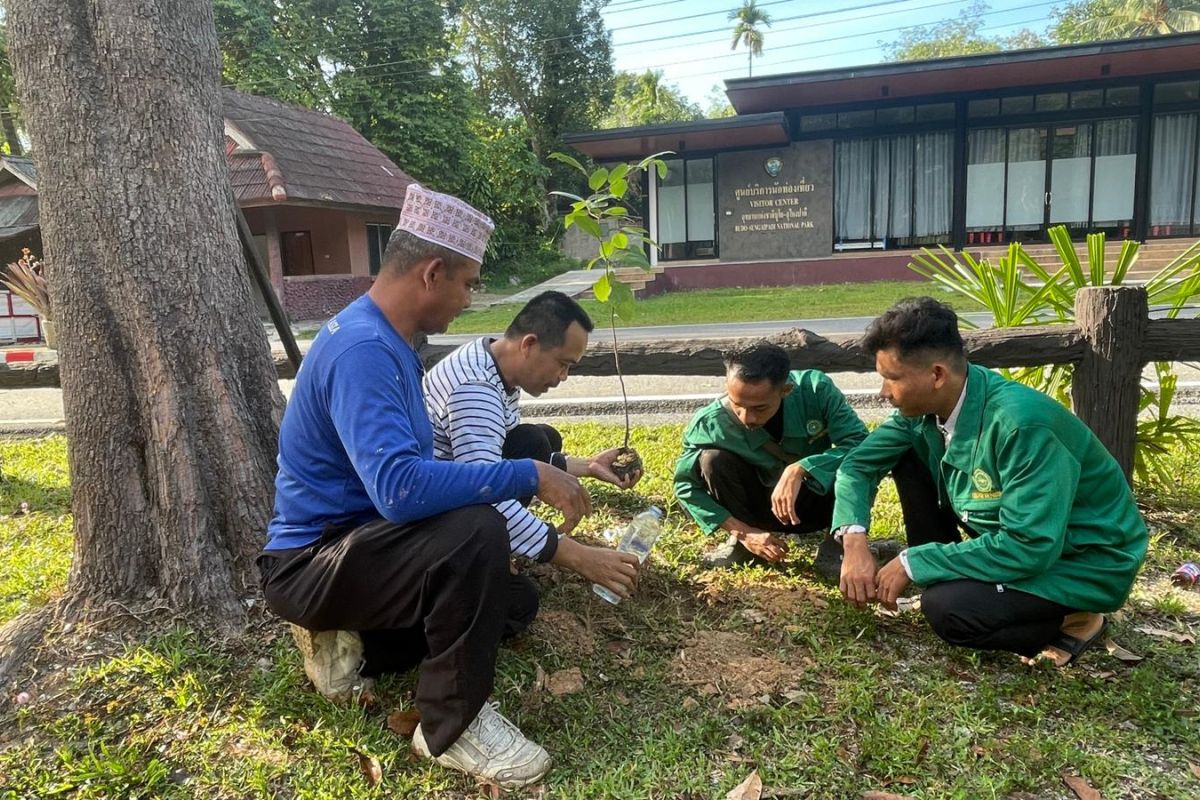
689 40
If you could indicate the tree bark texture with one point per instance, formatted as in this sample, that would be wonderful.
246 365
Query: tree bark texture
171 402
1106 385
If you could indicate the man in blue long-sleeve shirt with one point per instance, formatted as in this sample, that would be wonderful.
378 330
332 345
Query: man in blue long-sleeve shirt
380 556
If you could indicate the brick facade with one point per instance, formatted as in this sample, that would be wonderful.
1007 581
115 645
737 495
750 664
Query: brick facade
320 297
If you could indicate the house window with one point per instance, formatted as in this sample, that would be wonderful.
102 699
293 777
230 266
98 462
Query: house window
377 239
1173 187
296 250
893 191
686 221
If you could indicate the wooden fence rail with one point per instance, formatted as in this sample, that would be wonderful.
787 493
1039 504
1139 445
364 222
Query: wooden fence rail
1110 342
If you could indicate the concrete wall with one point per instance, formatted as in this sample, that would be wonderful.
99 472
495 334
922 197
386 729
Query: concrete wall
784 216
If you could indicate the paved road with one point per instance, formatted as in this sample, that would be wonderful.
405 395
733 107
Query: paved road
655 398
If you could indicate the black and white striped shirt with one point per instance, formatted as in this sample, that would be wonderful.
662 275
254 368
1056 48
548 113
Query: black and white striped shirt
472 411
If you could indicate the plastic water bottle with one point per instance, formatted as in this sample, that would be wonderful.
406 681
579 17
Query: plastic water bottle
637 538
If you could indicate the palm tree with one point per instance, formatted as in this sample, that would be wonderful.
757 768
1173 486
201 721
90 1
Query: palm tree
1127 19
749 17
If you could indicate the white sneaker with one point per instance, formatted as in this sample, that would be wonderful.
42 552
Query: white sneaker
491 748
332 660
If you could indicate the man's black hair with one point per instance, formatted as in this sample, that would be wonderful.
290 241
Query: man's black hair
548 316
761 361
918 327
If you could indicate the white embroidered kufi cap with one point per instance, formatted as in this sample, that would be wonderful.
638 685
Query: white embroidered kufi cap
445 220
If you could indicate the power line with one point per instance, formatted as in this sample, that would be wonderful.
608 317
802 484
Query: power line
1043 18
369 68
808 26
843 38
395 75
693 16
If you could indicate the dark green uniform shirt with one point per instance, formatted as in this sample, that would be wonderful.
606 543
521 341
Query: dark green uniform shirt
818 426
1054 513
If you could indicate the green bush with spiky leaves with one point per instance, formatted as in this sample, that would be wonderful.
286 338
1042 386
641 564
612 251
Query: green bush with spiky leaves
1019 291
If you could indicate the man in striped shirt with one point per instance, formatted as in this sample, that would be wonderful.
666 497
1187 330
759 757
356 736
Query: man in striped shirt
472 399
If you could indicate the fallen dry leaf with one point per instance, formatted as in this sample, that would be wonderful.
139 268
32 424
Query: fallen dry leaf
709 689
749 789
885 796
1082 789
403 723
1195 768
1120 653
369 766
565 682
689 703
1182 638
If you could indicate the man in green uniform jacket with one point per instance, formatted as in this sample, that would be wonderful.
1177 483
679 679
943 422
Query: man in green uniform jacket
762 459
1054 535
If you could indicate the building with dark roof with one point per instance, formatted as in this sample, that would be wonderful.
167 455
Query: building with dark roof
320 200
840 175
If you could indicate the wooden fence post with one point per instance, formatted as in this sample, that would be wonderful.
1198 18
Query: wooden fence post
1106 386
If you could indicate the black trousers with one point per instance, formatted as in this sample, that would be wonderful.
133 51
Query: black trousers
437 592
532 440
734 483
970 613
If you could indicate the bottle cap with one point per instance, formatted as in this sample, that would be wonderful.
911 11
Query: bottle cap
656 511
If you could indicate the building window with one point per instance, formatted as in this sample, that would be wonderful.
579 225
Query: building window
935 111
1122 96
1173 175
685 213
1087 98
984 108
295 248
856 119
896 115
893 191
1022 104
377 239
1183 92
1022 180
1055 101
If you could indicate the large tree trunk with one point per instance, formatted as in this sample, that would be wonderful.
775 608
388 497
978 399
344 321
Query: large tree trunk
171 402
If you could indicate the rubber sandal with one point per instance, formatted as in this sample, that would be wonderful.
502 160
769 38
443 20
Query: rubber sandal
1077 647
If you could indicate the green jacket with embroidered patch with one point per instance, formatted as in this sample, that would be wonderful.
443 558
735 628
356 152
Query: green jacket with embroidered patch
818 426
1054 513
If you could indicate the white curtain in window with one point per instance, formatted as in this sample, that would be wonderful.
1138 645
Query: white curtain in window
1026 201
1116 165
700 200
672 227
1172 168
985 179
852 182
883 187
900 214
933 173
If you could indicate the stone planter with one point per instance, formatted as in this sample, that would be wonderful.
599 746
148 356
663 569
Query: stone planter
49 334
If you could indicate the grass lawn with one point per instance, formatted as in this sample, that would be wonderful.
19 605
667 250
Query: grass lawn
682 692
741 305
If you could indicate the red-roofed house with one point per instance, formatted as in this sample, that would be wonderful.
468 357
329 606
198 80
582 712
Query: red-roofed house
320 199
